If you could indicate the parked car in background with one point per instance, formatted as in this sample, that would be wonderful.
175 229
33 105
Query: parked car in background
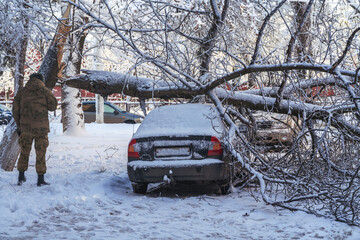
179 143
5 115
112 114
274 130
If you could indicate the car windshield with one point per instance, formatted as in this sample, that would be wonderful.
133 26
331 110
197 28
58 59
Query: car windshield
181 120
118 108
108 109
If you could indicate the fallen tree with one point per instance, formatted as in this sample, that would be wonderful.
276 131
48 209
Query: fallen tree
251 63
204 49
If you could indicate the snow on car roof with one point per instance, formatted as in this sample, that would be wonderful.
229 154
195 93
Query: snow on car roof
181 120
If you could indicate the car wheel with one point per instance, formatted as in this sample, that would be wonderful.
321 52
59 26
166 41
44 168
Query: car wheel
139 187
130 122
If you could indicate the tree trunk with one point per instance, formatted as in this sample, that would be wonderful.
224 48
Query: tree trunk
73 116
303 46
72 113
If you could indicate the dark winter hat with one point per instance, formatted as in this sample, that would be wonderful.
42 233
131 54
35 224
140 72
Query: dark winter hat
37 75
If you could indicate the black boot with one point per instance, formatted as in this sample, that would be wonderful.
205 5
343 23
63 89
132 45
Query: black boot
21 178
41 180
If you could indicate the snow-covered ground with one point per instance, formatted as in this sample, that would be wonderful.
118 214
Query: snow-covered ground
90 197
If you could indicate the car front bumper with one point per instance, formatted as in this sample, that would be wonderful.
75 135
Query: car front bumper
178 170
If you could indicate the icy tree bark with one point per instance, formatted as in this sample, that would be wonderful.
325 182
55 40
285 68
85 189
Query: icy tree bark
73 116
107 83
49 67
72 113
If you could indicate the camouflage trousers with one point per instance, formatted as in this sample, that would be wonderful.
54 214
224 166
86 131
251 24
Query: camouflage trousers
41 143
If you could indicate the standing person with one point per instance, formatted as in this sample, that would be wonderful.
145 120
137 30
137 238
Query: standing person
30 110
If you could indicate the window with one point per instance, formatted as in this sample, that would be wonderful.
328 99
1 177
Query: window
108 109
89 107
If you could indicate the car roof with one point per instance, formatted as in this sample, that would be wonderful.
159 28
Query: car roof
182 120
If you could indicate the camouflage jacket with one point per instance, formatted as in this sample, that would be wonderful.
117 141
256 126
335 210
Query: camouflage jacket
31 105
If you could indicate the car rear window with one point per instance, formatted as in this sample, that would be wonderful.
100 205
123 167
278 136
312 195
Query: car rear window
181 120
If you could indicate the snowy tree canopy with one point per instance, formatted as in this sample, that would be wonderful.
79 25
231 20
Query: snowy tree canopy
25 31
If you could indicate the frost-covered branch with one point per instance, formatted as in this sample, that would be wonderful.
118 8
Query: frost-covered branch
275 68
347 48
107 83
261 31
